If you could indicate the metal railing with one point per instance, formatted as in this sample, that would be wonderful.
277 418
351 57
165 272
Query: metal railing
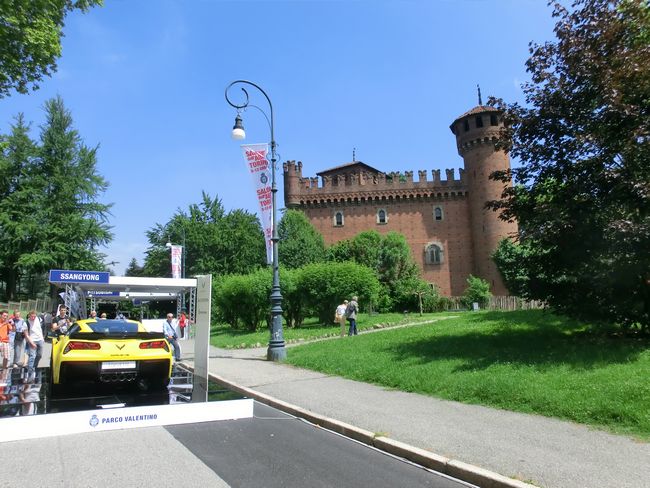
38 304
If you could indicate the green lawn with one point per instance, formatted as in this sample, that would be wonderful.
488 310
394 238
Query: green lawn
227 337
522 361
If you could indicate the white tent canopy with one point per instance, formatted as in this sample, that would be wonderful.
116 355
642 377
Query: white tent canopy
99 285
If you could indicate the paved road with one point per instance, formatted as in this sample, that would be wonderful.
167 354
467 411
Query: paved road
274 450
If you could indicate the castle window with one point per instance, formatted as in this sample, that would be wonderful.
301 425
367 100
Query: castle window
479 121
437 213
382 216
339 221
466 125
493 119
433 254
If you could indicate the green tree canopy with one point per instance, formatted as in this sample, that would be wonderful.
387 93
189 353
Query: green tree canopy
300 242
30 36
582 192
215 241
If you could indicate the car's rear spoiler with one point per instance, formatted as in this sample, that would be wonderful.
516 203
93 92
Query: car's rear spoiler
93 336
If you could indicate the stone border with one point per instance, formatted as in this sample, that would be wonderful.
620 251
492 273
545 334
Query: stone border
451 467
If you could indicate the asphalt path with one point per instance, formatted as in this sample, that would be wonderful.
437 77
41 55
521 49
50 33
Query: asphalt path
275 450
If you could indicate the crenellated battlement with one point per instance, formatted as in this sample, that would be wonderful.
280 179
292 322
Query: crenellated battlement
355 179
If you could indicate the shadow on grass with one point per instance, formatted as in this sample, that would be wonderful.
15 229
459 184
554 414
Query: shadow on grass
541 340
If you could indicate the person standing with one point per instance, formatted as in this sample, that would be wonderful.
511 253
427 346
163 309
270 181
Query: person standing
36 341
351 313
20 329
61 322
170 335
5 328
182 323
93 315
339 316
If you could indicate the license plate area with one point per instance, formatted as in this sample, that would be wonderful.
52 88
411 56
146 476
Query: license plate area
117 365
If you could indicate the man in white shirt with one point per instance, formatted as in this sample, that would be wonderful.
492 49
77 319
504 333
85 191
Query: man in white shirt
170 335
35 340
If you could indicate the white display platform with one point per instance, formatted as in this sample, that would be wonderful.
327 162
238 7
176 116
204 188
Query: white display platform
56 424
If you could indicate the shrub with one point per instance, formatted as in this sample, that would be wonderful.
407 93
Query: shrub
477 291
323 286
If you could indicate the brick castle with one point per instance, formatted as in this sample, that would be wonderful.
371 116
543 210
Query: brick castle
451 233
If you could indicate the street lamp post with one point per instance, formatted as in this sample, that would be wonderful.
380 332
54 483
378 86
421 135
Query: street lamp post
276 350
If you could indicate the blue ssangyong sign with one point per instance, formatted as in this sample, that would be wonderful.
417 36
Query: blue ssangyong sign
69 276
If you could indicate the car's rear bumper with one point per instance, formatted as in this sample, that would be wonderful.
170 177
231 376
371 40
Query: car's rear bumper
158 369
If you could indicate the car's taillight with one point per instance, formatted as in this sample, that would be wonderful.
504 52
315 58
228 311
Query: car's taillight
81 346
155 345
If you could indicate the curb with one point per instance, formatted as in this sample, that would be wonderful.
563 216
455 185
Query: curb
451 467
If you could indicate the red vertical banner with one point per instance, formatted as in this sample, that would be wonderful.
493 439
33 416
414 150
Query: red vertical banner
177 256
260 170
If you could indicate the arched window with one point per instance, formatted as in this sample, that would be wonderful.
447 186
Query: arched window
338 219
382 216
437 213
433 254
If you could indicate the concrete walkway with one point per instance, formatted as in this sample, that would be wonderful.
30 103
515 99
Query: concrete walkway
538 450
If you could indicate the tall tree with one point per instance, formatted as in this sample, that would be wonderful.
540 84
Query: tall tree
71 224
17 202
582 193
30 36
300 242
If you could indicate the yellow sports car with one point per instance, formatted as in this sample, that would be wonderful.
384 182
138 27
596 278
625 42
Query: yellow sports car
110 351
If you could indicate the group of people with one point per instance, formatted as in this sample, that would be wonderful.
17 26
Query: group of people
347 311
19 337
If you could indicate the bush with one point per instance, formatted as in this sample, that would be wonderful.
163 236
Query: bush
477 291
243 299
323 286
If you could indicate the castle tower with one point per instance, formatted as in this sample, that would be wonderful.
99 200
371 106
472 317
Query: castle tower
292 177
476 132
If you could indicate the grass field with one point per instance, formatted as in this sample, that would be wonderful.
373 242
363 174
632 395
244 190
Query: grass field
529 361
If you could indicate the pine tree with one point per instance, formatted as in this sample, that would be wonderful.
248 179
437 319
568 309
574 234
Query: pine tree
73 224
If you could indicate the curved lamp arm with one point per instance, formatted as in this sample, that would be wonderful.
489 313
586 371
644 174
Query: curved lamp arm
246 103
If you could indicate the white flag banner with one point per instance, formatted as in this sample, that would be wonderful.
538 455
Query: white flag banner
260 169
177 255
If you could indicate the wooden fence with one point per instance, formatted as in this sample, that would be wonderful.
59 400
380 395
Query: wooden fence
506 303
25 306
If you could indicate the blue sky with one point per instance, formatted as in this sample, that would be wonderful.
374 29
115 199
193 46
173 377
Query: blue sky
145 81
